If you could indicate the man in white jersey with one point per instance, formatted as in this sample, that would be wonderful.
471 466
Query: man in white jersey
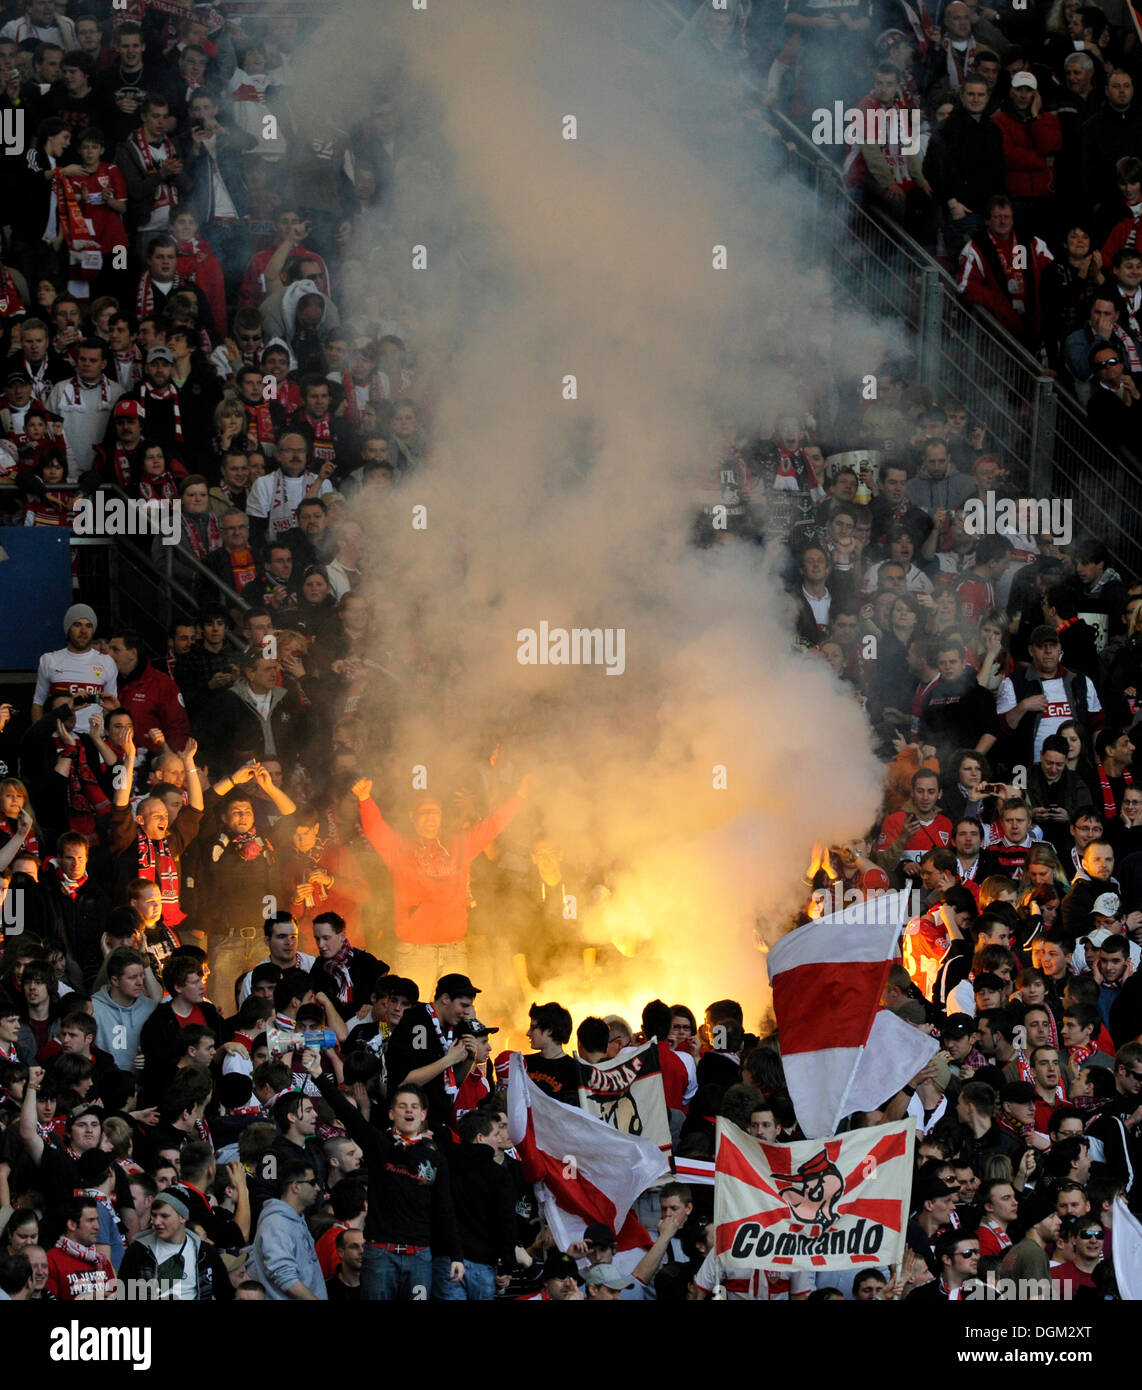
77 669
273 498
1040 698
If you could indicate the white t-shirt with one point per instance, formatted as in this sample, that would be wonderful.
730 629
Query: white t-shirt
76 673
85 412
276 498
744 1284
1058 709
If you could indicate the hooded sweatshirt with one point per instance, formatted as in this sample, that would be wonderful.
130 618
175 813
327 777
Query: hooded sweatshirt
284 1253
118 1026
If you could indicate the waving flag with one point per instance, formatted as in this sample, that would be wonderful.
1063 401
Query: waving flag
587 1169
840 1054
1127 1252
837 1203
626 1092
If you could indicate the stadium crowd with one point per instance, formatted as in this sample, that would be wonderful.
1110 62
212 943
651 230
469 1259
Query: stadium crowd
240 1049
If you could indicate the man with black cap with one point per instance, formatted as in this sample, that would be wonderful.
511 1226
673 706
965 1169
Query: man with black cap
935 1202
158 399
1040 697
957 1037
561 1281
475 1087
426 1050
1027 1259
185 1267
76 669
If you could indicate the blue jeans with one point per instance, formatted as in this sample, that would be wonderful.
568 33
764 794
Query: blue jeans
477 1286
387 1276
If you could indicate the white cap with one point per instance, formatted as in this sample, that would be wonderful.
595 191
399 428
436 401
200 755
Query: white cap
1025 79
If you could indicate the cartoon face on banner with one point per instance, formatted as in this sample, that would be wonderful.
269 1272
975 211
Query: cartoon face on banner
813 1193
838 1203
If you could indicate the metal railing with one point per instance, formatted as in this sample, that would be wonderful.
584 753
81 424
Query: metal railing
118 577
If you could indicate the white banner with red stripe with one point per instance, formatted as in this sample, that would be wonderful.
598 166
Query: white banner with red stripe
840 1055
839 1203
585 1170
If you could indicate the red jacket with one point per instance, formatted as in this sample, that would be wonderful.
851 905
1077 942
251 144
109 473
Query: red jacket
152 700
1026 145
979 283
430 882
674 1076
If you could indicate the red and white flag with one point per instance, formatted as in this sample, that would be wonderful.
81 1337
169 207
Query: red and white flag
841 1052
836 1203
585 1170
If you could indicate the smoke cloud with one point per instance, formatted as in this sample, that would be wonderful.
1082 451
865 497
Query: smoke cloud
592 258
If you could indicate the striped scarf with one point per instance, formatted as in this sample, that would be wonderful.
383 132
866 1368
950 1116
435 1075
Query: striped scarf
167 194
168 393
157 865
1109 805
84 794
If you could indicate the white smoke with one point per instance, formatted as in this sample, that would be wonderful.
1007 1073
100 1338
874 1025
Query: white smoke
593 258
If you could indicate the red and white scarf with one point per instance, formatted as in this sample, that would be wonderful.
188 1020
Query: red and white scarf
1076 1056
10 302
260 422
77 388
129 366
85 796
84 255
85 1253
168 393
213 540
68 886
164 488
958 68
450 1083
406 1140
167 195
158 866
1109 805
338 966
323 450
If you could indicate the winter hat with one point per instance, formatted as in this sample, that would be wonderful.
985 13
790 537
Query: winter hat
76 613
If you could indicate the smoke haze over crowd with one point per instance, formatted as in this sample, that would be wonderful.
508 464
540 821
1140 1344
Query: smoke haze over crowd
547 258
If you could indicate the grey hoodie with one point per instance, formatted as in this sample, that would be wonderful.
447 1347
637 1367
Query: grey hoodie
284 1252
118 1026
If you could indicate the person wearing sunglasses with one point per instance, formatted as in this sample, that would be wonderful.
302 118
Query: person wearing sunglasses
957 1255
284 1258
1086 1238
1112 412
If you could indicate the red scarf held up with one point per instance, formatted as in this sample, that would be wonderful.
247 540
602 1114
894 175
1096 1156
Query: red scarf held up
1109 805
84 794
10 302
158 866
